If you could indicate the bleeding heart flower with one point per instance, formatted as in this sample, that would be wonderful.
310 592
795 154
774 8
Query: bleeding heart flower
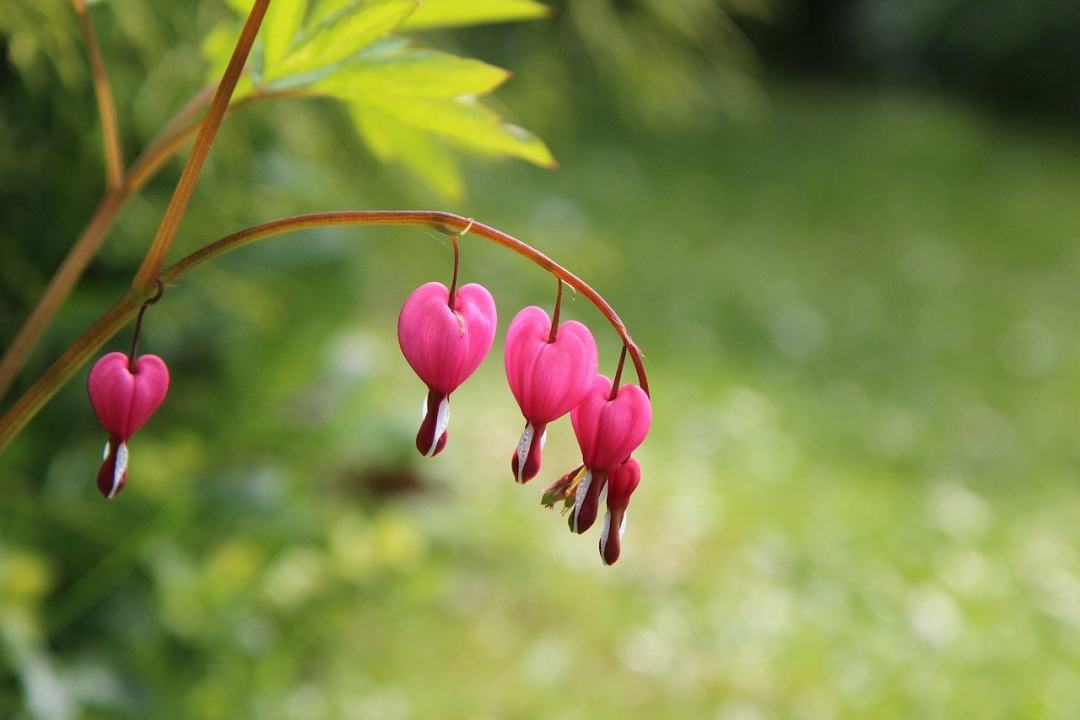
549 374
622 481
444 345
608 430
124 396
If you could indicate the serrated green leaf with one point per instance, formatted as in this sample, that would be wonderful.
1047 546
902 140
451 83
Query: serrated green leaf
464 123
282 22
344 35
413 72
417 151
456 13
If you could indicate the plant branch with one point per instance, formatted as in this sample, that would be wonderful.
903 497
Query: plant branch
167 142
121 313
110 131
174 213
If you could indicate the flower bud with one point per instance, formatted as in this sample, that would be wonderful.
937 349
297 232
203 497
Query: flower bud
622 481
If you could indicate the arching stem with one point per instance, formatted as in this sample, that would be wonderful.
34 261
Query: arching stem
80 352
555 315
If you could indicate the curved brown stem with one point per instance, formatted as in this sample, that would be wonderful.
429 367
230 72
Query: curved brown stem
119 314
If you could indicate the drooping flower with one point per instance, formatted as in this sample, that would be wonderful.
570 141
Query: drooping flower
124 395
444 345
608 430
621 483
549 374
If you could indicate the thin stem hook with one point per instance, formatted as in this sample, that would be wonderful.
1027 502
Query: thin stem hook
555 316
138 322
618 374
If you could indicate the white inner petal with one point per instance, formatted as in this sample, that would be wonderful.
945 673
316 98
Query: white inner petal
442 421
523 449
423 408
579 496
543 439
120 469
105 454
622 525
605 531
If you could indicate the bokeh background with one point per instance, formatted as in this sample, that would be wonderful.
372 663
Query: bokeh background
845 235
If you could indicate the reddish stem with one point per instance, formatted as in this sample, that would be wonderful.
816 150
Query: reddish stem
138 323
453 282
618 375
555 316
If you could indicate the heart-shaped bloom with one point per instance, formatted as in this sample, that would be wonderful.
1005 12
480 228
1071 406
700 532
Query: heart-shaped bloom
124 396
608 430
444 345
548 378
622 481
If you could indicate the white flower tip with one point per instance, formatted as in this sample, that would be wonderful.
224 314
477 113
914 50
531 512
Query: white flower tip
119 470
442 422
524 445
579 497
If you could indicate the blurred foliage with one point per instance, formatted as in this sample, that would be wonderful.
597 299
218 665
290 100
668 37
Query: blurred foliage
860 493
1021 57
671 62
36 34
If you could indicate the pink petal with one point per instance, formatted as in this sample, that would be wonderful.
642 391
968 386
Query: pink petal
443 346
548 378
608 431
125 400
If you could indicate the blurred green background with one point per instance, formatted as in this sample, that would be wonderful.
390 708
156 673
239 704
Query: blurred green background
845 235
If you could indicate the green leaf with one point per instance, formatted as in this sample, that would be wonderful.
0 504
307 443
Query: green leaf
456 13
428 159
464 123
412 72
325 8
344 35
283 20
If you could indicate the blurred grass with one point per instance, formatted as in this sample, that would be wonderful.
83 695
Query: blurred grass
859 496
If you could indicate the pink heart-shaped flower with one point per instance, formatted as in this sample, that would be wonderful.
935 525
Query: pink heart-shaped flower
608 430
443 346
124 398
548 379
